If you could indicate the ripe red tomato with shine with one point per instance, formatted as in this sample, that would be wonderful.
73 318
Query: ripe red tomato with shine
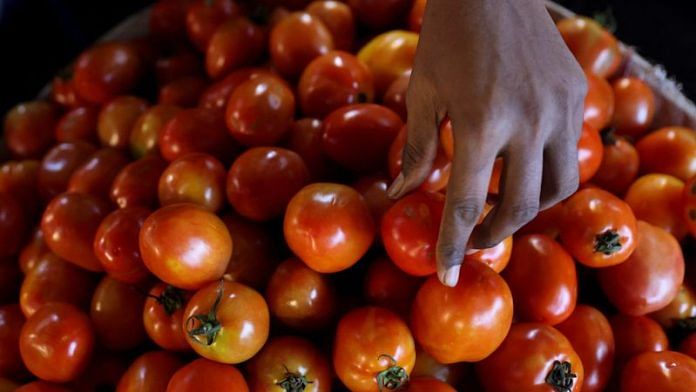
657 199
374 190
338 19
116 244
590 151
107 70
389 287
33 251
218 93
444 319
29 129
634 335
328 226
11 322
596 49
236 43
439 174
208 375
97 173
163 317
634 106
682 307
395 97
415 17
79 123
666 371
136 184
453 374
305 138
203 18
669 150
116 315
144 137
297 40
150 372
197 130
116 120
599 102
544 359
184 92
689 205
196 178
254 255
619 167
58 165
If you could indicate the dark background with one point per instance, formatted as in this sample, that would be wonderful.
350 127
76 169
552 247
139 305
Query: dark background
39 37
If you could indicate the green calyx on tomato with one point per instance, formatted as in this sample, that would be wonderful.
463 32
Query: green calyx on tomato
561 377
607 242
608 136
206 326
393 378
292 382
171 298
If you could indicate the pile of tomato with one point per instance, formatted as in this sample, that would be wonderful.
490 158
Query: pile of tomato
205 209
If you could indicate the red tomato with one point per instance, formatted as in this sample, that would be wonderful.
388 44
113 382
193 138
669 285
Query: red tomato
439 174
185 245
195 178
150 372
300 297
444 318
380 14
19 178
667 371
116 315
428 384
389 287
29 129
596 49
136 184
296 40
262 180
650 278
373 349
260 111
328 226
79 123
33 252
599 102
689 208
226 322
168 19
104 371
144 137
497 257
184 92
599 229
254 255
107 70
13 225
657 199
415 17
388 56
203 18
116 120
11 322
374 190
334 80
410 230
97 173
218 93
453 374
619 166
58 165
55 280
40 386
56 342
163 317
185 63
235 43
116 244
305 138
590 151
680 310
196 130
64 93
395 98
543 358
338 19
635 335
207 375
688 345
290 363
346 130
669 150
635 106
69 224
592 338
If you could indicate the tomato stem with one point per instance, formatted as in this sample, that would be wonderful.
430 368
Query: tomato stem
608 136
608 242
560 378
392 378
206 325
293 382
171 298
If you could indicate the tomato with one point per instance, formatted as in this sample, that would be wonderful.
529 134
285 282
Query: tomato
183 92
497 257
207 375
296 40
116 244
103 372
592 338
374 190
19 178
185 245
56 342
195 178
596 49
415 17
203 18
669 150
58 165
253 255
235 43
650 278
619 166
116 315
682 308
226 322
13 225
443 319
427 367
688 345
428 384
635 335
347 128
689 205
299 296
69 224
116 120
388 56
196 130
533 357
380 14
107 70
328 226
395 97
55 280
150 372
590 151
635 106
389 287
64 93
305 138
41 386
11 322
29 129
338 19
667 371
33 251
262 180
439 174
136 184
290 363
163 317
144 137
218 93
599 102
657 199
168 19
260 111
410 229
184 63
79 123
373 349
97 173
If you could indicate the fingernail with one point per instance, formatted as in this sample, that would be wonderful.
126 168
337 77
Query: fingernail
451 276
396 186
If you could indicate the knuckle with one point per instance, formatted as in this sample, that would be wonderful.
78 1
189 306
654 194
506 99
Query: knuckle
450 254
412 154
523 212
467 211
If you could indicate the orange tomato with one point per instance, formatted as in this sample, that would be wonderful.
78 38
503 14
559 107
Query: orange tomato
619 165
388 56
599 102
657 199
634 106
669 150
590 151
595 48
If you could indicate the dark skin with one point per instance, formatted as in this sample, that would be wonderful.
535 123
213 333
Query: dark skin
501 71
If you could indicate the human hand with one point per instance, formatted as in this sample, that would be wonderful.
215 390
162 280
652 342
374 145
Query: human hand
502 73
